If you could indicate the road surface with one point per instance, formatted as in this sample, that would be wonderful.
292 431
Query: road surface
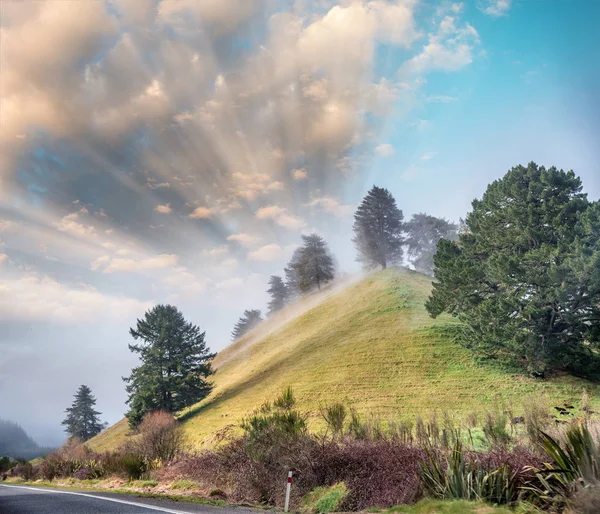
19 499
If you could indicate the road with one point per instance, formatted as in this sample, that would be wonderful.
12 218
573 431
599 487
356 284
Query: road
18 499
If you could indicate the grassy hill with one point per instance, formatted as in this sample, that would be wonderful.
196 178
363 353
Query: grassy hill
371 345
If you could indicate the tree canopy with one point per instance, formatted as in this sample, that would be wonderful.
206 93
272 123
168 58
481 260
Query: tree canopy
378 227
250 319
423 233
83 421
524 274
175 364
292 276
279 294
315 265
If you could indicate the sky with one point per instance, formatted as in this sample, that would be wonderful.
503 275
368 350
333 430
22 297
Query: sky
174 151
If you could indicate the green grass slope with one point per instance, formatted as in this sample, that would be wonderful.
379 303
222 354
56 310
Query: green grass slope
372 346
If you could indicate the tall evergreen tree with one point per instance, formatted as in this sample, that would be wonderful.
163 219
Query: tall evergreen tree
250 319
423 233
278 292
378 229
82 421
175 364
315 266
524 277
292 276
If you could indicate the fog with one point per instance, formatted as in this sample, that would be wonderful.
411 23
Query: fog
174 151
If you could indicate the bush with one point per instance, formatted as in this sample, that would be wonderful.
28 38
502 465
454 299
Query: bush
325 499
24 470
160 437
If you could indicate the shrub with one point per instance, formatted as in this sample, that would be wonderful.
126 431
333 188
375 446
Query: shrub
335 417
160 437
25 470
325 499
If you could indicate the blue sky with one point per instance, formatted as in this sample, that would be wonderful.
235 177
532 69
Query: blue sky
175 150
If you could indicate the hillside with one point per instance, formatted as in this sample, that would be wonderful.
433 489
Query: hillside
371 345
15 443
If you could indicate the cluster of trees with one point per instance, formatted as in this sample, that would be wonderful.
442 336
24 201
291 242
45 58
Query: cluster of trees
524 274
311 266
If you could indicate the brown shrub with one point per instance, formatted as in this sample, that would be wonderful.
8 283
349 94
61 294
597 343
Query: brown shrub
160 437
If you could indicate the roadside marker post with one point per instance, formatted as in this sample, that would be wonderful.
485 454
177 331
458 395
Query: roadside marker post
287 492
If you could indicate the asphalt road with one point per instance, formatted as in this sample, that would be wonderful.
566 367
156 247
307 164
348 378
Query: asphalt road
18 499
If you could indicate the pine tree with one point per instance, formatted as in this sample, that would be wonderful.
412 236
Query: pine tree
175 364
278 292
82 421
250 319
423 233
315 266
292 276
524 277
378 229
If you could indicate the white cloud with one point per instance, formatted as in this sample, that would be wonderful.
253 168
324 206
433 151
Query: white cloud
299 174
71 225
441 99
449 50
270 252
119 265
280 216
201 213
7 226
219 251
495 7
34 298
244 239
385 150
428 156
3 258
331 205
164 209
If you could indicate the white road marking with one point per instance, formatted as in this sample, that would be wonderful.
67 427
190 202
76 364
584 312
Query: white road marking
115 500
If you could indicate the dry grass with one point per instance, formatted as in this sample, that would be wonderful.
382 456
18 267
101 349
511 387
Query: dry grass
371 346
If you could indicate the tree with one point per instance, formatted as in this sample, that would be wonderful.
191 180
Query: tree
524 277
315 265
423 233
175 364
292 276
279 294
378 229
82 421
250 319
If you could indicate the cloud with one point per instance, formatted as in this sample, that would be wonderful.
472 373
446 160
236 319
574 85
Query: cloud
280 216
244 239
270 252
163 209
441 99
36 298
299 174
331 206
216 252
3 258
449 50
119 265
385 150
428 156
201 213
7 226
70 224
495 7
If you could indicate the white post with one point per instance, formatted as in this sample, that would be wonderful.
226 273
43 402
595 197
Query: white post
287 492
